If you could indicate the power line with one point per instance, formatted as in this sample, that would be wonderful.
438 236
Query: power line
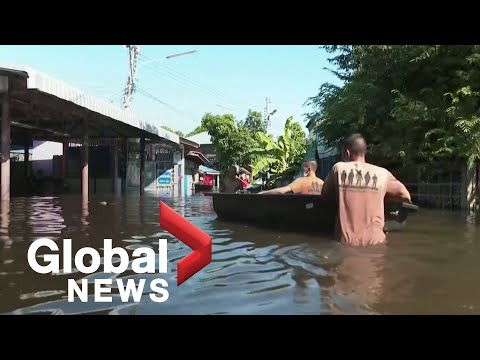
171 107
168 75
177 73
162 76
177 76
178 82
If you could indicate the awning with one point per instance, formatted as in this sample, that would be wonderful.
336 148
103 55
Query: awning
189 143
54 87
197 157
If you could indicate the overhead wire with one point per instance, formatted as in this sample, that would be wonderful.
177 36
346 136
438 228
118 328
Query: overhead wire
171 107
163 70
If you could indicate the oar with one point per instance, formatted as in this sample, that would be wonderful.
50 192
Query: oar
410 207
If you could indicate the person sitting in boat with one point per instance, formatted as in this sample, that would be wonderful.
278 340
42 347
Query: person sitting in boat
231 183
308 184
244 179
360 189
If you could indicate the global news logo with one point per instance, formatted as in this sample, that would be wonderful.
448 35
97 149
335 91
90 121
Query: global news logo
144 262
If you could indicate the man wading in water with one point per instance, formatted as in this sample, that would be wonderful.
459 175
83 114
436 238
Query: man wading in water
308 184
361 217
231 183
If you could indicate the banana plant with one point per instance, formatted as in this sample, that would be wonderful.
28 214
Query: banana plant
282 156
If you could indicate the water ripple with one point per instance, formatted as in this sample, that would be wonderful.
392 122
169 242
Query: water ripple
253 271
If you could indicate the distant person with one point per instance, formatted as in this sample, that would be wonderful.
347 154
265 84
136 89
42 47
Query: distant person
361 216
245 180
231 183
208 180
308 184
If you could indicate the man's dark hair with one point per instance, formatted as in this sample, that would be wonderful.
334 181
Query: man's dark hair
356 144
312 164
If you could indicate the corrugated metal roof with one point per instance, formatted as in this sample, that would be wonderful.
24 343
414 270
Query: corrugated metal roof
202 138
207 170
47 84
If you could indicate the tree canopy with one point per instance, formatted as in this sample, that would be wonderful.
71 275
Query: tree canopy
254 122
238 142
230 140
282 156
413 103
199 129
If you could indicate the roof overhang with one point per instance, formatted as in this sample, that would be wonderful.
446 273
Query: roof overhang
207 170
54 110
197 157
189 143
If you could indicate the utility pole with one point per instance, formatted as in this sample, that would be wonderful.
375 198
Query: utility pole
267 113
134 51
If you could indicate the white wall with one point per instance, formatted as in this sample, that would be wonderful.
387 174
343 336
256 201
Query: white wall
42 156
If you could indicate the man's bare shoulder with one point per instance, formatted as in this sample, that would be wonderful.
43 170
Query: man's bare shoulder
338 165
377 168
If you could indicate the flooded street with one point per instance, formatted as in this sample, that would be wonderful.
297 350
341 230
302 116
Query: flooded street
431 268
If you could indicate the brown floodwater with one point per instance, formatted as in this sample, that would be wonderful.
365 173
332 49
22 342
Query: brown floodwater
432 267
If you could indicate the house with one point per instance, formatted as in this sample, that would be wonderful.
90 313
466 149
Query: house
206 146
326 157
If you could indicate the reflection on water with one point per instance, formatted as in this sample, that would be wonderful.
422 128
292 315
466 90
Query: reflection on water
432 267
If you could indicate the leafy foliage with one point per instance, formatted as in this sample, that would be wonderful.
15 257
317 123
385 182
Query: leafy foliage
414 103
230 140
246 143
283 156
254 122
199 129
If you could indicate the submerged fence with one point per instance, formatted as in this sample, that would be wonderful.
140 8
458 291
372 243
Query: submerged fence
437 195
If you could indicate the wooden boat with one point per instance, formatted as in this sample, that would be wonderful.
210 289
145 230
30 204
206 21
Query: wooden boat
300 213
203 187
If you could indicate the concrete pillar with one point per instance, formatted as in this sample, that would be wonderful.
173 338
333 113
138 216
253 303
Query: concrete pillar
175 179
124 180
85 212
65 159
26 160
182 172
85 148
5 150
142 166
115 165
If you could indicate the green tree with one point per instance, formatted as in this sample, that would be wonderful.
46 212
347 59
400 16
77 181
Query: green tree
254 122
414 103
282 156
199 129
230 141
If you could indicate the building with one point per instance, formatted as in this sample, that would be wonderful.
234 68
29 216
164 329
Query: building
83 143
326 157
206 146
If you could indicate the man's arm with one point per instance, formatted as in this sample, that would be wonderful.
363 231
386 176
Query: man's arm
397 191
295 187
282 190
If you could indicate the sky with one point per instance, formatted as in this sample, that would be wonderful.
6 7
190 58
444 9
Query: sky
177 92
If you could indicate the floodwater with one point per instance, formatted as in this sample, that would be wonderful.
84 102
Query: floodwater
432 267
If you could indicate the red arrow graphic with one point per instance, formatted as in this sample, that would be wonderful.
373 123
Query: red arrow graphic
189 234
